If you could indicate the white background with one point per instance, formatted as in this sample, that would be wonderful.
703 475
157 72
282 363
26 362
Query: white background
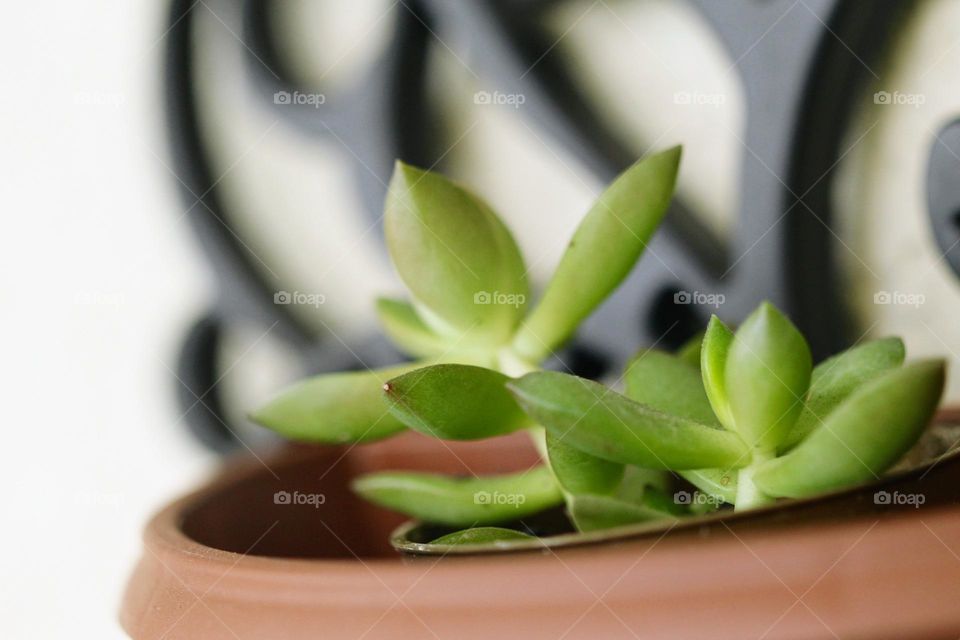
98 278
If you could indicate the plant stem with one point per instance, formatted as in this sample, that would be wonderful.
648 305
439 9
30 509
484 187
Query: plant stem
749 496
513 365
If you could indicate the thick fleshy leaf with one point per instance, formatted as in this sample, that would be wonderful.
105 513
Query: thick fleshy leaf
462 502
601 253
836 378
667 383
593 512
482 535
579 472
767 376
637 482
861 438
670 384
714 482
689 352
407 330
455 402
590 417
713 364
334 408
455 255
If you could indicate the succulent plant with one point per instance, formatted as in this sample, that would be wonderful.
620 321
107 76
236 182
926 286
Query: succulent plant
742 417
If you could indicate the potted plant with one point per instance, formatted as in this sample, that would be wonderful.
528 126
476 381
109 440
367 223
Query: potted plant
537 494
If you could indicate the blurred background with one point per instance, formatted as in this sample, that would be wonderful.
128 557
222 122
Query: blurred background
193 191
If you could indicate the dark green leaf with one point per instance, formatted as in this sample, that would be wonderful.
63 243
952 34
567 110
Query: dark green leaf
455 402
579 472
667 383
481 535
603 423
593 512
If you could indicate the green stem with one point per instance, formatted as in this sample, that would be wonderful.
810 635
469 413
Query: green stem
749 496
511 364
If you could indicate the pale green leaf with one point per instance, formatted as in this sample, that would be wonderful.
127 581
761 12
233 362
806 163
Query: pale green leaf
407 330
603 250
334 408
462 502
713 363
862 437
456 257
767 376
836 378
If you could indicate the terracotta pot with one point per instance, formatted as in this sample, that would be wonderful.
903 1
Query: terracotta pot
230 562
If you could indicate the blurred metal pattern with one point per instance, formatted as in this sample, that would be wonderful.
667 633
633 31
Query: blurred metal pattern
801 84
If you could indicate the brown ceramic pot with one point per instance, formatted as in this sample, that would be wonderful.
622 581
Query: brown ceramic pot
229 561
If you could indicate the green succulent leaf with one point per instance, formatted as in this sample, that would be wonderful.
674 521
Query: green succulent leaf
767 376
482 535
456 257
590 417
637 482
862 437
670 384
462 502
455 402
579 472
714 482
334 408
713 363
603 250
408 331
591 512
837 377
689 352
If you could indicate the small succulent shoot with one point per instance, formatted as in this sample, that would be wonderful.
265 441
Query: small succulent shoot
742 416
454 254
